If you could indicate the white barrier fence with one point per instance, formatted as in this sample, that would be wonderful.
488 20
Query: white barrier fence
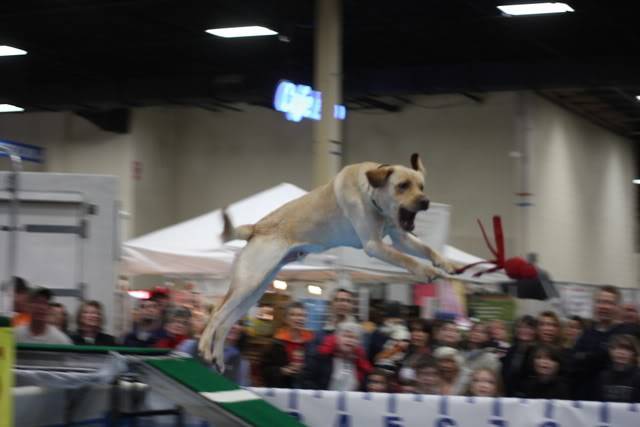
37 407
355 409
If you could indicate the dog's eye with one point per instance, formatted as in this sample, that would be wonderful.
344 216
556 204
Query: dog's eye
421 187
404 185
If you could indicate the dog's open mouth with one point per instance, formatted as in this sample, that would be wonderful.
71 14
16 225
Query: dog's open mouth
406 219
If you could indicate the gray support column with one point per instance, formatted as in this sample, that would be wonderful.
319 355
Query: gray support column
327 132
522 154
6 287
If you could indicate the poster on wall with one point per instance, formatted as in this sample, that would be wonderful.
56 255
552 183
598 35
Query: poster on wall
491 307
451 298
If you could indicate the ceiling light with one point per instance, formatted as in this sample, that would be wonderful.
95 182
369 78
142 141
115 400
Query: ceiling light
535 8
638 97
140 294
251 31
314 290
8 108
11 51
280 284
636 181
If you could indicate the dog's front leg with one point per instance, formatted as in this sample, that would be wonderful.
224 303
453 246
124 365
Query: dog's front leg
409 243
378 249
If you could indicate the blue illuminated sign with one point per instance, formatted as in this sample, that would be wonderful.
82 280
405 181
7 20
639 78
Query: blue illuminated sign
27 152
301 101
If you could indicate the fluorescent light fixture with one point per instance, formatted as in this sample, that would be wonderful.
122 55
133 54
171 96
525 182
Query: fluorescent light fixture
636 181
535 8
280 284
314 290
11 51
8 108
251 31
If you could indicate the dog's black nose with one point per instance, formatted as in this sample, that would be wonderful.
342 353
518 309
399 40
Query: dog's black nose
424 204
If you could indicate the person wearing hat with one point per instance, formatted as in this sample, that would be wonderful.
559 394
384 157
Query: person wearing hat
38 331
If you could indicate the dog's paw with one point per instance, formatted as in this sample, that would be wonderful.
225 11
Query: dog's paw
220 365
449 267
430 273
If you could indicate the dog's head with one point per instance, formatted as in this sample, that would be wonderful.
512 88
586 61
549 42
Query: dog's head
399 191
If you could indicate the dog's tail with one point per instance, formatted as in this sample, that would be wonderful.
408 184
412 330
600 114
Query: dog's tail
244 232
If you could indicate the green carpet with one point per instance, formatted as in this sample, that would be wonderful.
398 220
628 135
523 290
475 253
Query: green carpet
201 379
93 349
193 374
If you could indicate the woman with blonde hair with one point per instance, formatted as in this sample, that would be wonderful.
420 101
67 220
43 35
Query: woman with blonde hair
89 322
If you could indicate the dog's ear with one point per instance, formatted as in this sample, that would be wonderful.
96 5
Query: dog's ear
378 177
416 163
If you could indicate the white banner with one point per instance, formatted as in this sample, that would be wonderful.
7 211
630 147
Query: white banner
38 407
336 409
577 300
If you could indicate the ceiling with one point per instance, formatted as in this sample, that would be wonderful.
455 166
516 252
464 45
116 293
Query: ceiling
101 57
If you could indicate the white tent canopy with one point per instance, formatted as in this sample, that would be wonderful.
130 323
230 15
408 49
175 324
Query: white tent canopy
194 247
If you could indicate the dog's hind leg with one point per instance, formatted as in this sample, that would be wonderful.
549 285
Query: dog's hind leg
253 270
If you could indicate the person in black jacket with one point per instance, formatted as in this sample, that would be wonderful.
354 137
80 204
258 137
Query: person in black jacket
518 360
89 320
621 383
546 382
590 357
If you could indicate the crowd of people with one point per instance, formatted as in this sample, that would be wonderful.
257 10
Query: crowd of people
536 357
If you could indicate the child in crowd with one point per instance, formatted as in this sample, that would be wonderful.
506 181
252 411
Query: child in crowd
546 382
621 382
378 381
485 383
407 385
428 377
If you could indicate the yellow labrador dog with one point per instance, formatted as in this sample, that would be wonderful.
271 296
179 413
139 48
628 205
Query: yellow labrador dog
364 203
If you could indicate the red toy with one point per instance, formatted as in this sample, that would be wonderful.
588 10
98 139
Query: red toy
516 268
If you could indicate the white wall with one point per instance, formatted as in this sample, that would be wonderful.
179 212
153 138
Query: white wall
583 221
223 157
154 186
